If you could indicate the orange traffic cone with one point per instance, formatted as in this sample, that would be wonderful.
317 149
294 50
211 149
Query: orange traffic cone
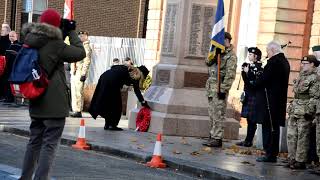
156 161
81 141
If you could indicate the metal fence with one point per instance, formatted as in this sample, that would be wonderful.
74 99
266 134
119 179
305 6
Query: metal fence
105 49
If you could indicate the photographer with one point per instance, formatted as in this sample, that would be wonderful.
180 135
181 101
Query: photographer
250 73
48 112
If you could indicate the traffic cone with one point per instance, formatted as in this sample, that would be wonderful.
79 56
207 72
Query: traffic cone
156 161
81 141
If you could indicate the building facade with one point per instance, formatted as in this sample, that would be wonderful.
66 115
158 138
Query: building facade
113 18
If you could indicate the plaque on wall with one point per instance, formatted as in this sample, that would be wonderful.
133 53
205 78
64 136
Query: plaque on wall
163 77
202 19
195 80
169 29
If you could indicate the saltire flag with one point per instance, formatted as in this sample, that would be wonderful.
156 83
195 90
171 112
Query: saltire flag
68 12
217 37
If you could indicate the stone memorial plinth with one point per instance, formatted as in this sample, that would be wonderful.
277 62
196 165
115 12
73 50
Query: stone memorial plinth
178 97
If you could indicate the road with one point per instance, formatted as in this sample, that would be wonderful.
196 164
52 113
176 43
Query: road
81 165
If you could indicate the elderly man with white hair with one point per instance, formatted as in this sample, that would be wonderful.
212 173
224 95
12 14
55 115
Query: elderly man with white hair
272 106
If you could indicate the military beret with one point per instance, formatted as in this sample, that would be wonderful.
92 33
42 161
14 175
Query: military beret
227 36
311 59
83 32
316 48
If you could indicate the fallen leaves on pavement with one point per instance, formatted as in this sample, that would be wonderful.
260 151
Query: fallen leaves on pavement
195 153
140 146
248 163
132 139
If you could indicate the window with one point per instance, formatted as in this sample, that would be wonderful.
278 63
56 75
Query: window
38 7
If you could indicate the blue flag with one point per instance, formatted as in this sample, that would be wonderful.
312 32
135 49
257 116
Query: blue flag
217 37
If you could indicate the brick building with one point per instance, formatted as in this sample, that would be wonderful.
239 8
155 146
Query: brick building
113 18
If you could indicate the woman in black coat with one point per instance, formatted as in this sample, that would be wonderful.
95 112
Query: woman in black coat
250 73
272 106
106 100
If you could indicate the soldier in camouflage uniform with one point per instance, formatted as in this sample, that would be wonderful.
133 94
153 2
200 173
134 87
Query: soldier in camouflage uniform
218 100
302 112
79 73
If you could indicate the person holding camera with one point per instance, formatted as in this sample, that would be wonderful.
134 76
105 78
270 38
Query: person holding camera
79 73
250 73
49 111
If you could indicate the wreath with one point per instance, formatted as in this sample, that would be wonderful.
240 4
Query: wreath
143 119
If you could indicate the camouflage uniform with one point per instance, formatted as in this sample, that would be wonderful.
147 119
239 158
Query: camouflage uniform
217 107
317 120
79 69
301 112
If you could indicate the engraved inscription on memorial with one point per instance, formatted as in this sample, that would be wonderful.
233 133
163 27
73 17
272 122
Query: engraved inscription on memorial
202 18
195 80
154 93
163 77
170 29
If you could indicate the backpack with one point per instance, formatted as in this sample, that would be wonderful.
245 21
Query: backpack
2 65
28 79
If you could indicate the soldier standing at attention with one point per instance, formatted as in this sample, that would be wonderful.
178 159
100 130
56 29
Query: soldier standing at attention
218 100
302 112
79 73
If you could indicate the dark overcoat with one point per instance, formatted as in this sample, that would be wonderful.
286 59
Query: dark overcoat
106 100
274 80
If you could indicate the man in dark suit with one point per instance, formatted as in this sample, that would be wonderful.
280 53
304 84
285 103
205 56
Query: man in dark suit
275 80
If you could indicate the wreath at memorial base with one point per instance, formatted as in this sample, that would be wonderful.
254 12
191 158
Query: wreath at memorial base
143 119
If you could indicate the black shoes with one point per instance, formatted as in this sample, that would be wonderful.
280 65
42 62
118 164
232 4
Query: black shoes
267 159
76 114
115 128
298 165
244 143
111 128
213 143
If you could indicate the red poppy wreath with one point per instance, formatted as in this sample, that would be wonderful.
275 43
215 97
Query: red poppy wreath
143 119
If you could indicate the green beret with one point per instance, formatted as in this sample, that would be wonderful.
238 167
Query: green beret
316 48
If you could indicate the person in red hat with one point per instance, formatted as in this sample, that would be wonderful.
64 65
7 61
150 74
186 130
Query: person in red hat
48 112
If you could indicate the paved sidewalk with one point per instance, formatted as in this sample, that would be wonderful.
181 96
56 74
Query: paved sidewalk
181 153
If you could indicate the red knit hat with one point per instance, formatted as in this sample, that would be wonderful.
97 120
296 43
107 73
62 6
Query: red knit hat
51 16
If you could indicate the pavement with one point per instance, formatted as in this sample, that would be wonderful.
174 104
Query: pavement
184 154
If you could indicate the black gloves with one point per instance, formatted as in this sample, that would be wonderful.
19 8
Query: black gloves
66 26
221 96
244 65
308 117
83 78
145 104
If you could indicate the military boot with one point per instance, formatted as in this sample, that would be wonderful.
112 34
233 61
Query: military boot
298 165
76 114
290 163
213 143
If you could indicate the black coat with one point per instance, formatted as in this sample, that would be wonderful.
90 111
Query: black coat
251 90
274 80
11 54
106 100
4 44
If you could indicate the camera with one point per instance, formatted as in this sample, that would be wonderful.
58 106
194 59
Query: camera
66 26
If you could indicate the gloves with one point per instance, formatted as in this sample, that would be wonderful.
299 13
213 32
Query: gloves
83 78
221 96
308 117
145 104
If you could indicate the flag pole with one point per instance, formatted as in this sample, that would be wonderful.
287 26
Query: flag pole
218 70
